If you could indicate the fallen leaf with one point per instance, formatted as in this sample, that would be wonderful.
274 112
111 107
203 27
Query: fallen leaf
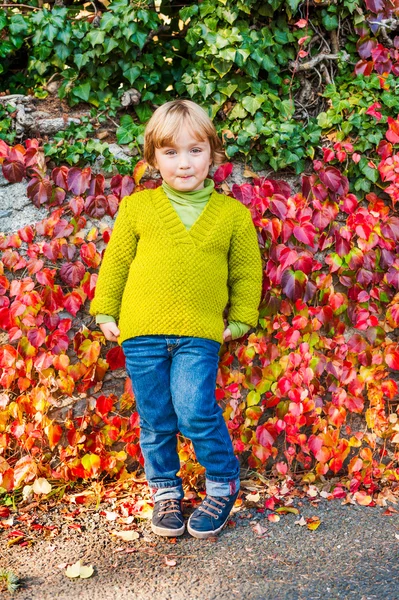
248 173
397 536
312 491
78 570
41 486
170 562
109 515
362 498
301 522
126 536
313 523
259 529
287 509
273 518
253 497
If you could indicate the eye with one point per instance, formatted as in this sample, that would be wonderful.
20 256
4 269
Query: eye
196 150
170 152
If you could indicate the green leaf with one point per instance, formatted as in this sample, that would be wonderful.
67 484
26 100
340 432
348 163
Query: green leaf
17 25
252 104
293 4
188 12
330 22
132 74
82 91
238 112
95 36
222 67
324 120
124 135
110 44
144 112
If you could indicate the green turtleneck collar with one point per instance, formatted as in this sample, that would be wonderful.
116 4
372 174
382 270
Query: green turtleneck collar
197 196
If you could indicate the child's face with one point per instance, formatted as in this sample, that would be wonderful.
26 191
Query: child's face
185 165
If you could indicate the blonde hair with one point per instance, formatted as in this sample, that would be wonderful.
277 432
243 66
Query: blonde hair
167 121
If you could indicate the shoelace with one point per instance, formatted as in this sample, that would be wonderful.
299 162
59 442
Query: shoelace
172 505
211 506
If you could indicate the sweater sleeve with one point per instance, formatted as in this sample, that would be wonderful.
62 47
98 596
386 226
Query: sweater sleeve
238 329
115 265
245 273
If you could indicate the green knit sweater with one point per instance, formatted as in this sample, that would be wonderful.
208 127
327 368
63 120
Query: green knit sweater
153 266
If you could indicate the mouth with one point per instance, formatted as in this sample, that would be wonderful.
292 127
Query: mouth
185 176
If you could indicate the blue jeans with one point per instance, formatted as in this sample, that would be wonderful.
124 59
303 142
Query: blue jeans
174 380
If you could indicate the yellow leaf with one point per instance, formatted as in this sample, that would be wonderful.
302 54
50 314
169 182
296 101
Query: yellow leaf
73 570
86 572
126 536
249 173
313 523
253 398
287 509
362 498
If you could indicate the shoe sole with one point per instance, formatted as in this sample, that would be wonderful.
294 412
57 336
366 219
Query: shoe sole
202 535
167 532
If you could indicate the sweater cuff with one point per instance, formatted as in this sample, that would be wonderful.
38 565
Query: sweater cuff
104 319
238 329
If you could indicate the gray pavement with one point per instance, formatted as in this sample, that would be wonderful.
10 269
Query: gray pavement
352 555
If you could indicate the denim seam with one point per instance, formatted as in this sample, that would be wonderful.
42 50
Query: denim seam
166 484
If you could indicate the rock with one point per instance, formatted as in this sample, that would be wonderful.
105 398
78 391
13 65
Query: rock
50 126
16 210
118 152
131 97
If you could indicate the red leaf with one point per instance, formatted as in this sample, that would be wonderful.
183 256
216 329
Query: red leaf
39 191
73 302
26 234
375 6
305 233
222 172
392 356
264 437
97 185
13 171
115 358
278 206
392 134
293 284
89 255
104 404
364 67
372 111
77 204
36 336
62 229
58 342
334 180
244 193
113 204
365 46
78 180
72 273
60 177
96 206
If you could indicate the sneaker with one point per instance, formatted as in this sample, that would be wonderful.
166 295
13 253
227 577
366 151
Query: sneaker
167 518
210 517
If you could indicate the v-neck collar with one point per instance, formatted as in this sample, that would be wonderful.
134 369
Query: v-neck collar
199 230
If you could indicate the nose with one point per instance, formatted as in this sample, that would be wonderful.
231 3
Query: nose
184 162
